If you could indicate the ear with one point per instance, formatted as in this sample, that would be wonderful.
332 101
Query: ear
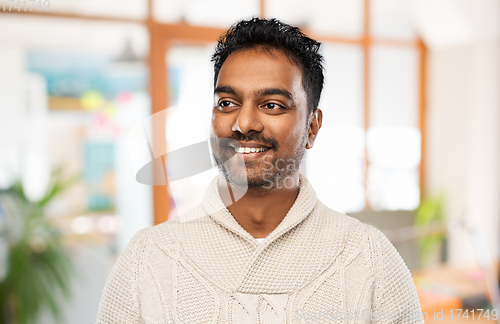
315 120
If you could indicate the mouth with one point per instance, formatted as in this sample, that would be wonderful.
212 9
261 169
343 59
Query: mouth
250 150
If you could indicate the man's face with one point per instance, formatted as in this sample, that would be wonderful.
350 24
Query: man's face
260 103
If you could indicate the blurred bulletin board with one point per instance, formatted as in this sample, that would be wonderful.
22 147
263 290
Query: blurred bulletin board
71 75
99 163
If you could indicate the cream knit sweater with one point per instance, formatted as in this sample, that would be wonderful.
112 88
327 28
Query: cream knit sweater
317 266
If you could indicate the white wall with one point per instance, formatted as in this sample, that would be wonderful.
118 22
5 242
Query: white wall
463 119
463 144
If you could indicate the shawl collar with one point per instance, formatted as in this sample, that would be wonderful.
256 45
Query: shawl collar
301 208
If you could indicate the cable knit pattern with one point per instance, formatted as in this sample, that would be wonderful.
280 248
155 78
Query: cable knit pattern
317 266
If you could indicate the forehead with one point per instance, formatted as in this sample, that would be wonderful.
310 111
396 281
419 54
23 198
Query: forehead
260 68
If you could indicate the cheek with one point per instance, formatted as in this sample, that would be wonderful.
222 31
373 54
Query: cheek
291 133
221 125
296 137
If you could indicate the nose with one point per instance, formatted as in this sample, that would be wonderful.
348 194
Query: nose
247 120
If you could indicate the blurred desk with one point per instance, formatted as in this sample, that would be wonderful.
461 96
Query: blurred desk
445 288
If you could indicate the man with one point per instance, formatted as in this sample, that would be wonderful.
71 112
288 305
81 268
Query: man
312 264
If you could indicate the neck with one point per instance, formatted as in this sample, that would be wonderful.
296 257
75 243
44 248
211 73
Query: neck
259 211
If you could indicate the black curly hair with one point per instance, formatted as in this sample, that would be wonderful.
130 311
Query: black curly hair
272 34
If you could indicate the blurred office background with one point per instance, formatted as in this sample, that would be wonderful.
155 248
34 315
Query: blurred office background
410 140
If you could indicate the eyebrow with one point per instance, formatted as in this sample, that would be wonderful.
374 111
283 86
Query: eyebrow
258 93
274 91
224 89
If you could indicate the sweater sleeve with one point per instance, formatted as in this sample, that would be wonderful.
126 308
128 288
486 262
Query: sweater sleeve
395 298
119 302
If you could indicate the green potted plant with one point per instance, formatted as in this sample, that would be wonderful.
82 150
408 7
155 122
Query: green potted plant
430 212
37 267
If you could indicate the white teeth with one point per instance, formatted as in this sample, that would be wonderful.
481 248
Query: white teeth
250 149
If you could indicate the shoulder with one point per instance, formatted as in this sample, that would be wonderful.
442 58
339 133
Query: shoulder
140 238
351 228
360 240
187 221
166 236
155 244
133 254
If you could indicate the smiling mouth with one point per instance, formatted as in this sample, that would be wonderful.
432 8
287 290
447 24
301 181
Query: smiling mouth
248 150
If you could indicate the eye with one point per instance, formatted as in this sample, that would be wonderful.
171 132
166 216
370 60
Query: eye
273 106
224 105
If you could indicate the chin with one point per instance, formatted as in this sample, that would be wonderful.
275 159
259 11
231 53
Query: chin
244 179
